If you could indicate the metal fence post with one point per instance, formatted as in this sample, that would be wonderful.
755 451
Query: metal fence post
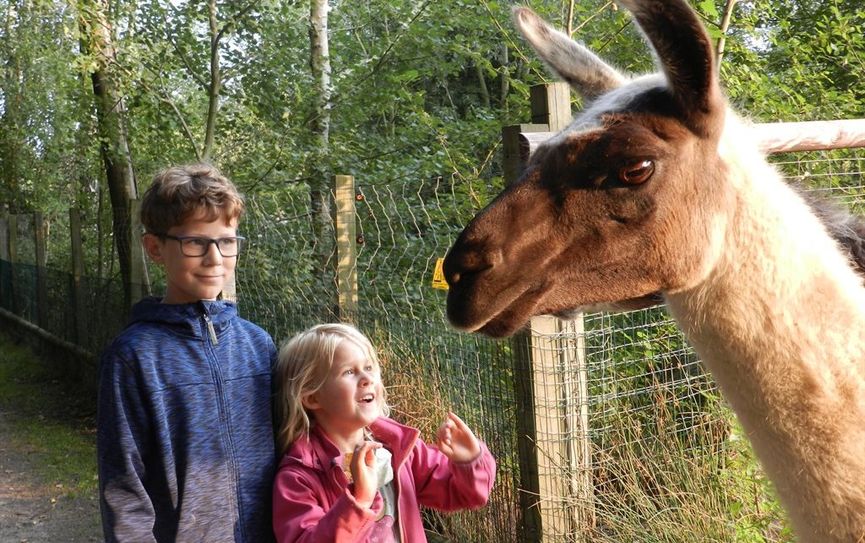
345 227
550 385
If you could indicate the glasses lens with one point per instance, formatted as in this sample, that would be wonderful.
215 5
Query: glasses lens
228 246
195 246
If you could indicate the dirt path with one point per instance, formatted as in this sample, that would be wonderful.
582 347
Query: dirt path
34 512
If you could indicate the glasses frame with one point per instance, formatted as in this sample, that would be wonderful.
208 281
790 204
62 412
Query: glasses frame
215 241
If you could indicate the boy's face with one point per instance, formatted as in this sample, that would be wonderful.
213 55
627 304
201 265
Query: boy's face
193 278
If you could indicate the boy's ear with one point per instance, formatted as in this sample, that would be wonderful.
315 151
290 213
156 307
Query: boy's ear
153 246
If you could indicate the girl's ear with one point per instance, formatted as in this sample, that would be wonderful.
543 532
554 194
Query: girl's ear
310 401
153 246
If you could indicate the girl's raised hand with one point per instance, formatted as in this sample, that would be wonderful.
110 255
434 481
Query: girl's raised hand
457 441
363 473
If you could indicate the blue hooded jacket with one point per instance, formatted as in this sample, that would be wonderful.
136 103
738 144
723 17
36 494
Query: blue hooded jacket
185 438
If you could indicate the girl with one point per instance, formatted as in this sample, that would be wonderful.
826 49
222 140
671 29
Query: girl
349 473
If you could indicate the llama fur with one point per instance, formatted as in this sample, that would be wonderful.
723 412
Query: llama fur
764 282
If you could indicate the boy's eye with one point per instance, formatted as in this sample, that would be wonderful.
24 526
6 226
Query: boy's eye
198 242
227 243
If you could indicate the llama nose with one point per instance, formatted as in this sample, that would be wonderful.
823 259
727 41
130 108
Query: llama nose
462 263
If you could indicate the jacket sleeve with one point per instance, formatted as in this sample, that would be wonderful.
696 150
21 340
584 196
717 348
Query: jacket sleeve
299 516
452 486
122 430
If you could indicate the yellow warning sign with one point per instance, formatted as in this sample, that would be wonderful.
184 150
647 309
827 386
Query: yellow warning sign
439 275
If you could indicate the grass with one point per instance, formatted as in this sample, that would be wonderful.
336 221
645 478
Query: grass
51 421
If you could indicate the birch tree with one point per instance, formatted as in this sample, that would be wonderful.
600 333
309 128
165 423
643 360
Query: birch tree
319 62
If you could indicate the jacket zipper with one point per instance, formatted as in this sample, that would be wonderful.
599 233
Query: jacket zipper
402 537
223 415
211 330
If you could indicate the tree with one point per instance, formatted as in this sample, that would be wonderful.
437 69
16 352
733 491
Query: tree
97 43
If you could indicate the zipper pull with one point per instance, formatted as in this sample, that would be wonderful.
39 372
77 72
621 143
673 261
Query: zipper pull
211 330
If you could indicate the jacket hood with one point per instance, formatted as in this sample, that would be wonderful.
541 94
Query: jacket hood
185 318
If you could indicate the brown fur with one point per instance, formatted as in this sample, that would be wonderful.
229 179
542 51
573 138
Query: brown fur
657 187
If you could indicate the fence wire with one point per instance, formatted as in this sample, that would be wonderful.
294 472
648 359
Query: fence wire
631 439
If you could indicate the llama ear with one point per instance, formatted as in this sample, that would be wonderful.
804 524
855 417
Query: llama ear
685 53
583 70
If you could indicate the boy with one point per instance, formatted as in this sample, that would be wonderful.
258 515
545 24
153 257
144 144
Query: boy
185 438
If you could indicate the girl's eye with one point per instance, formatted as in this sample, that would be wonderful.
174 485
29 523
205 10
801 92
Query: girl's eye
348 372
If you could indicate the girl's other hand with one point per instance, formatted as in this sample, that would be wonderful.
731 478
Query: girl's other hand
457 441
363 473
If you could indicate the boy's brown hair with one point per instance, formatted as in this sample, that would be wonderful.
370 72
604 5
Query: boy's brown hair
180 192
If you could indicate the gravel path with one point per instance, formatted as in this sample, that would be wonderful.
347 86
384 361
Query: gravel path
32 511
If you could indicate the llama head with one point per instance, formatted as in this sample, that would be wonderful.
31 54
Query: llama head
629 200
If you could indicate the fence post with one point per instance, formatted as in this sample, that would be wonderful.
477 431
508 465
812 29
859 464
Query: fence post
4 256
12 254
39 242
138 285
345 227
78 307
550 385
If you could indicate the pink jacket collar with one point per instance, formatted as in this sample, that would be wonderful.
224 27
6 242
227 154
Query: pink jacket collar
321 453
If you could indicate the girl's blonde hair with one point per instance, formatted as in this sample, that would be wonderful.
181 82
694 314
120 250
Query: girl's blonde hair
302 368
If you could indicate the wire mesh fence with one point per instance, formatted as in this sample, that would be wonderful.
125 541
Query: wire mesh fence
630 436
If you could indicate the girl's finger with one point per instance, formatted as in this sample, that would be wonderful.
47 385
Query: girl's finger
458 422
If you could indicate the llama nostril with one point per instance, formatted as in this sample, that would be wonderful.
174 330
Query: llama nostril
458 268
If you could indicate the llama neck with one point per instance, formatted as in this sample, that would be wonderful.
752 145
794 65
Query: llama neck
778 321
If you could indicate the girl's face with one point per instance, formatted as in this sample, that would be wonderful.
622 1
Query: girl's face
351 397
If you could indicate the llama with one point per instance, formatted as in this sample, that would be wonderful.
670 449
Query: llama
658 186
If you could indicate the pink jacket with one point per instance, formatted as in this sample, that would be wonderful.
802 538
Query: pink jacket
312 501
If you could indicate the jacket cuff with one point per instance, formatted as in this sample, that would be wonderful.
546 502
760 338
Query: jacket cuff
372 512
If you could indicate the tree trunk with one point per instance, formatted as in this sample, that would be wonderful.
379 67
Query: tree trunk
320 173
215 81
10 138
97 42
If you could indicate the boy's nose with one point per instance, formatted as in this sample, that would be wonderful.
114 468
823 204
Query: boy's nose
213 256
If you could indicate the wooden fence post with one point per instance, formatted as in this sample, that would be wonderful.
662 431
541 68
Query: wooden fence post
550 383
78 306
345 227
39 242
4 256
139 284
12 253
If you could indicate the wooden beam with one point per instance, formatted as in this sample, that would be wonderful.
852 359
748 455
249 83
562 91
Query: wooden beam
811 135
772 137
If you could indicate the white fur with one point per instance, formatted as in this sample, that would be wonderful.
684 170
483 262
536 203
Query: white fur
779 322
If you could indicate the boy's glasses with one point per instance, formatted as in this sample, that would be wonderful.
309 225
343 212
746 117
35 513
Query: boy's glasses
197 246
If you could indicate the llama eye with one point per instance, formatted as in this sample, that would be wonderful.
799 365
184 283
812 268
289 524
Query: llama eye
637 173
